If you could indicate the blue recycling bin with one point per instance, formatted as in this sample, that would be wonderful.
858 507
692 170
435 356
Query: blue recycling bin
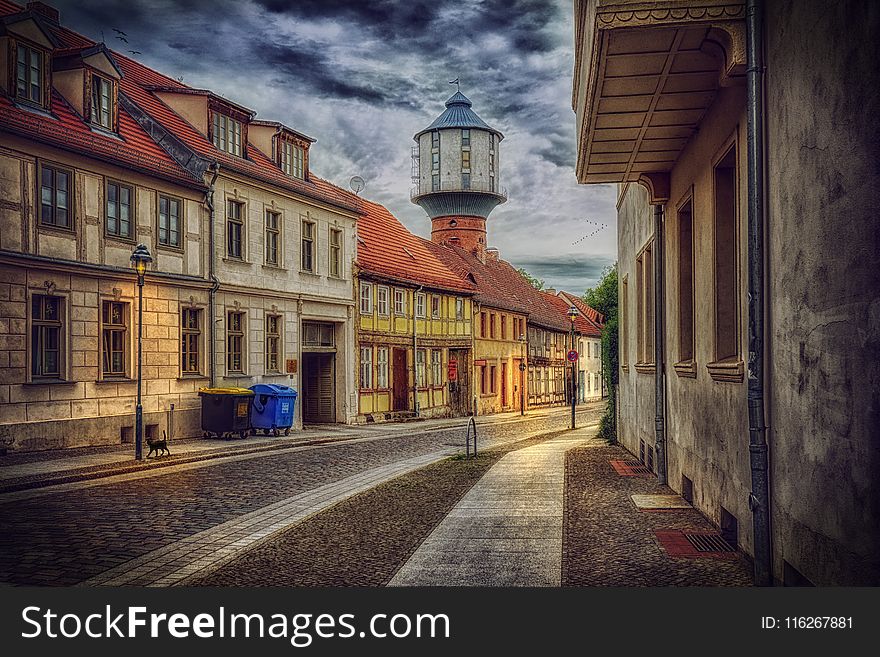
272 409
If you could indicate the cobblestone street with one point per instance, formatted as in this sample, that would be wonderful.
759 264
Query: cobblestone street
67 534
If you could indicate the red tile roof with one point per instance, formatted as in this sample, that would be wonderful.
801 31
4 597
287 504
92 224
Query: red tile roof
594 315
582 324
501 286
135 84
388 250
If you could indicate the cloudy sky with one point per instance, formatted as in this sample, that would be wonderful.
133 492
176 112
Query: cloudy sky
362 76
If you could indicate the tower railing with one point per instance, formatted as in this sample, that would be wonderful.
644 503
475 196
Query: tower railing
480 187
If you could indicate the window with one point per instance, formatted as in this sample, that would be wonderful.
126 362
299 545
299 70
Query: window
624 321
492 326
235 343
169 221
492 371
190 340
503 327
420 304
335 253
381 367
482 325
726 297
685 283
465 160
435 182
465 181
465 137
435 306
366 298
437 367
595 350
227 134
308 246
273 343
645 271
273 232
400 303
102 102
47 342
119 201
293 159
114 338
420 368
55 200
318 334
29 75
382 300
435 139
459 308
366 368
234 230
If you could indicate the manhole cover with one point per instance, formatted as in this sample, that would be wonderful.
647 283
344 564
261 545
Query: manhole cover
694 544
709 543
630 468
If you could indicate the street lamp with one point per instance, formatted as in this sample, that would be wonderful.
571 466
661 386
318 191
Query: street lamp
140 258
573 315
522 374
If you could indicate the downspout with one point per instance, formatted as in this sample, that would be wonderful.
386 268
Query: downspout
212 324
416 350
659 351
759 499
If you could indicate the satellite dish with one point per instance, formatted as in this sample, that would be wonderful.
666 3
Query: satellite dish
357 184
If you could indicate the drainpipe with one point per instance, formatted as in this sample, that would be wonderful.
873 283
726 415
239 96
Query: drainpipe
416 352
212 324
759 499
659 351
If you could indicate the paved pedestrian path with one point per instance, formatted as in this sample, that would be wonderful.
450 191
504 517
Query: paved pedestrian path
507 530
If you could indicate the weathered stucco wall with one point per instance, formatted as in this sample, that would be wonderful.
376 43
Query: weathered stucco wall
824 314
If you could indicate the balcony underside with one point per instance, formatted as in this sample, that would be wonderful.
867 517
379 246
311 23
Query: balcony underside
649 82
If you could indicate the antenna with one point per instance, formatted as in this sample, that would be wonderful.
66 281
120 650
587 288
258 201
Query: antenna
357 184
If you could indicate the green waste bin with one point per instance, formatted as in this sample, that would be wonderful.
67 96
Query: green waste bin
226 412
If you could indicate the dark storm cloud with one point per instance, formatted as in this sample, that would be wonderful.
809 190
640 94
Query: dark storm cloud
572 273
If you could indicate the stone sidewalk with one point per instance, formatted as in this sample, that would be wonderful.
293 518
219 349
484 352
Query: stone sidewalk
507 530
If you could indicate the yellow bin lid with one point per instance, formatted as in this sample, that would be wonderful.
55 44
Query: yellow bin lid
225 391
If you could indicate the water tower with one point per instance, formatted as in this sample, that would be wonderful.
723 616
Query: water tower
456 175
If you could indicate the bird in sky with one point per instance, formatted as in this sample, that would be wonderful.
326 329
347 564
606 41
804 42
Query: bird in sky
135 52
119 32
122 39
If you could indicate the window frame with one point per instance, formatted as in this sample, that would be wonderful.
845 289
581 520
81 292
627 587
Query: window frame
400 309
239 221
95 114
273 337
44 69
186 333
308 238
686 292
436 311
728 150
459 308
241 334
365 298
379 301
382 368
437 368
180 222
334 253
132 205
272 233
292 158
224 124
421 369
58 324
365 375
70 208
108 329
421 305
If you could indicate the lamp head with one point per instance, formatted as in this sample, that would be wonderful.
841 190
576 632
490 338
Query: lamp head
140 258
573 313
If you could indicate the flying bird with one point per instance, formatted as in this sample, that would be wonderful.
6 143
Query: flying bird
122 39
119 32
135 52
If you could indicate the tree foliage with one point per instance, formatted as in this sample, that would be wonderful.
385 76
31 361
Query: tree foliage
603 298
536 283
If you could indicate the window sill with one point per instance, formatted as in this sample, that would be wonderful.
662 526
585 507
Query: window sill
170 247
310 273
67 231
126 241
236 261
686 369
237 376
49 382
192 377
117 379
644 368
728 371
271 267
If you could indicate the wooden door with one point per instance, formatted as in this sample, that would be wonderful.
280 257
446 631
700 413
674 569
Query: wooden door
400 383
319 389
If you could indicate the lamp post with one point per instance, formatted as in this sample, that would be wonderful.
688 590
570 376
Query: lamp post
522 374
140 258
573 315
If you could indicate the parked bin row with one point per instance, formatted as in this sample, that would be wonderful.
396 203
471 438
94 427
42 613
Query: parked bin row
266 407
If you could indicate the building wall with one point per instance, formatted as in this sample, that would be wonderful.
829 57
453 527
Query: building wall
450 159
86 406
502 351
393 330
589 368
824 315
546 366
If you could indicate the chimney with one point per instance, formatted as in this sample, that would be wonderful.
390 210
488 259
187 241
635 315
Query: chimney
44 10
550 290
491 253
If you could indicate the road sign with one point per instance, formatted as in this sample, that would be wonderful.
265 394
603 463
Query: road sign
572 356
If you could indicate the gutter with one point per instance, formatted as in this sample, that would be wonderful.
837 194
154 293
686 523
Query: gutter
212 324
759 498
659 349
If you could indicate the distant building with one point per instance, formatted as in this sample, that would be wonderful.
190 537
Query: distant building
747 245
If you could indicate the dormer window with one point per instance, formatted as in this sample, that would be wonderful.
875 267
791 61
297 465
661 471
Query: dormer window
29 76
227 134
293 159
103 102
